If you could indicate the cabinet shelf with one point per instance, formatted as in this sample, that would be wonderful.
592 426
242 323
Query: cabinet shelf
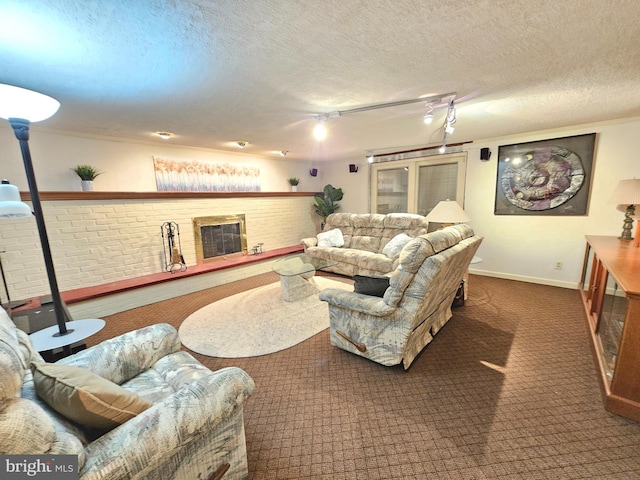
610 290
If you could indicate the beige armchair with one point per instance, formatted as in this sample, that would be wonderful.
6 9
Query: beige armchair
191 423
415 306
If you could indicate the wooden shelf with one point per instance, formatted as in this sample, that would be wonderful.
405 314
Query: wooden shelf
69 196
610 289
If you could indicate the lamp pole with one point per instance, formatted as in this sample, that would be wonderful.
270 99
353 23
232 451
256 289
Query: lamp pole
21 130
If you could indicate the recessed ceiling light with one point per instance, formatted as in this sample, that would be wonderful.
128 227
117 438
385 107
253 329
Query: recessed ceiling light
242 143
283 153
164 135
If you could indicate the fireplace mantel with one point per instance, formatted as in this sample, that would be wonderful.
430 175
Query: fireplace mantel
62 196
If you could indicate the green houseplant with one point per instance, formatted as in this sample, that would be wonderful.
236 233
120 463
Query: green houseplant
326 203
293 181
87 174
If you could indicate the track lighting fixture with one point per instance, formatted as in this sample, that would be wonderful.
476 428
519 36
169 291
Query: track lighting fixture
451 119
320 131
370 156
428 116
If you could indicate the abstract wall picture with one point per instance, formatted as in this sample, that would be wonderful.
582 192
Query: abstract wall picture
547 177
192 176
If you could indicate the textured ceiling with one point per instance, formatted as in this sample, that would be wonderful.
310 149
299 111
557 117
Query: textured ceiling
217 71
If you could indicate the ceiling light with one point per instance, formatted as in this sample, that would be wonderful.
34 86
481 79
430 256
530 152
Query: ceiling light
283 153
164 135
449 129
242 143
320 130
443 149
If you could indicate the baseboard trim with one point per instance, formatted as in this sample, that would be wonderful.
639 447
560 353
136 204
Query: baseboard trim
523 278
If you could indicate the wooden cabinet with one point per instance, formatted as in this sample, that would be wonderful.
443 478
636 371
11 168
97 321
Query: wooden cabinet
610 289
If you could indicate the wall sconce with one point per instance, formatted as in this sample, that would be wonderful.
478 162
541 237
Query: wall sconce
313 172
353 168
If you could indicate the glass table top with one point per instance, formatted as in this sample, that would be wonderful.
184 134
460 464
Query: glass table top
300 264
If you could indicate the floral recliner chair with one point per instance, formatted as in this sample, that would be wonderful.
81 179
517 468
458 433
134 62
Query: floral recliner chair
417 303
191 426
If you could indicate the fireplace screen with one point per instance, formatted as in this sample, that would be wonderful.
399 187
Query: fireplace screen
219 237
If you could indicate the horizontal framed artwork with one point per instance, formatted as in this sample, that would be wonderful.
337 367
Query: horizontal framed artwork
546 177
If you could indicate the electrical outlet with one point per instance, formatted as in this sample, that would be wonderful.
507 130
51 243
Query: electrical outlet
558 265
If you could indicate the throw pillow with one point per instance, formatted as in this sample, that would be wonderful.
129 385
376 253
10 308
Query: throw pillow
331 238
395 245
374 286
84 397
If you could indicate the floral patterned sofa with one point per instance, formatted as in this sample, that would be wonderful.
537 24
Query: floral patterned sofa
417 303
191 426
371 241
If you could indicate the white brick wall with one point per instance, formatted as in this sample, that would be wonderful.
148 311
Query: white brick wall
95 242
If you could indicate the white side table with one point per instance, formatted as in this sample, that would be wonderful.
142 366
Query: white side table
474 260
49 338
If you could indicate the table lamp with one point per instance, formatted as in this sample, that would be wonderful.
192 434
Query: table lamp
21 107
448 212
626 196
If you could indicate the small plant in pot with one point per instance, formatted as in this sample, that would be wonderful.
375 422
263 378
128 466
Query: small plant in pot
293 181
87 174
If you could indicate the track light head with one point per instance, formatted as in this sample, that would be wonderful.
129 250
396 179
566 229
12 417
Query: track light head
370 156
320 130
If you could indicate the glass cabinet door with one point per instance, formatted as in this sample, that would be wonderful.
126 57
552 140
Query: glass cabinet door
609 331
392 190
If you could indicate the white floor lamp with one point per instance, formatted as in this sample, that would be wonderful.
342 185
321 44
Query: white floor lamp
21 107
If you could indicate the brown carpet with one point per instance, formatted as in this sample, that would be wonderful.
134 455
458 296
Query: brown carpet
507 389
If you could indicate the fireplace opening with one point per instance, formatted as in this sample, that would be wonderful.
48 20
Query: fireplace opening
219 237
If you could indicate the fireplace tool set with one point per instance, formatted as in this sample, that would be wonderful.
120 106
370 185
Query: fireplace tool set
174 261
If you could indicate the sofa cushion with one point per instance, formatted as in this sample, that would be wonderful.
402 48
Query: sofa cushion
374 286
395 245
331 238
84 397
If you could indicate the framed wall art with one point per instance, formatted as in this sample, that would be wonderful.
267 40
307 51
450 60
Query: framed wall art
193 176
547 177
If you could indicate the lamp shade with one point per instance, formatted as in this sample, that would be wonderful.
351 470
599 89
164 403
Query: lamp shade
10 204
16 102
627 192
448 211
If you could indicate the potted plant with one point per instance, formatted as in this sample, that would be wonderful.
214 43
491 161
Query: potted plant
326 203
87 174
293 181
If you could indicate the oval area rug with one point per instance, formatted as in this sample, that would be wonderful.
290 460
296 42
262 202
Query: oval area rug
256 322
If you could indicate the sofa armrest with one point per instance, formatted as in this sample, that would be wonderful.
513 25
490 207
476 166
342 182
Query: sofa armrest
177 423
123 357
357 302
309 242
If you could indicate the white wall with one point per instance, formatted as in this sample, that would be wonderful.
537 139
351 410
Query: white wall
128 167
518 247
528 247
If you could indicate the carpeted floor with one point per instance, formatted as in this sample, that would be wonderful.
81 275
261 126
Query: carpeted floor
507 389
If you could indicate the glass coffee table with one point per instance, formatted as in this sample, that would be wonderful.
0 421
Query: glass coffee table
296 275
